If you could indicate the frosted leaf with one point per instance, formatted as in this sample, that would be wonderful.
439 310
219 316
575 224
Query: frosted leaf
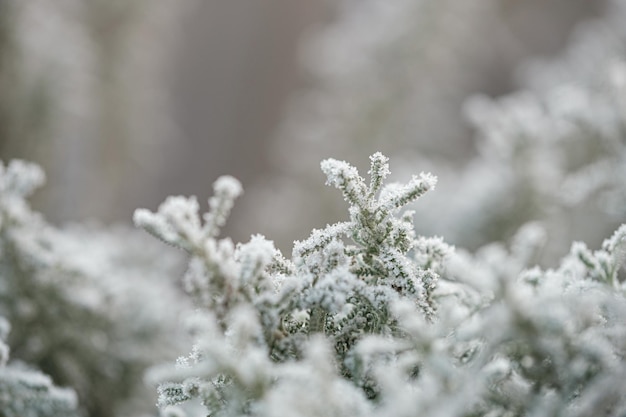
379 170
226 189
254 258
228 186
281 265
181 213
617 240
430 253
259 248
396 196
176 222
604 264
319 239
155 225
344 176
331 291
29 393
171 393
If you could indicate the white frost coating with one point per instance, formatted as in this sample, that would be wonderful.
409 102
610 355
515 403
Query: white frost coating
155 225
21 178
342 281
379 170
332 291
399 196
176 222
258 249
319 239
26 392
344 176
228 186
368 319
226 190
84 301
182 214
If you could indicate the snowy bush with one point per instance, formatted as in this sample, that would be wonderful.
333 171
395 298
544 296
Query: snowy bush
85 306
365 318
369 319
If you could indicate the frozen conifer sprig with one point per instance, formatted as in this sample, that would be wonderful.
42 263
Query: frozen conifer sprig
178 223
217 271
604 264
381 241
370 320
367 319
261 309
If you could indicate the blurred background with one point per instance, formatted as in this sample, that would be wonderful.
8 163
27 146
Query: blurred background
124 102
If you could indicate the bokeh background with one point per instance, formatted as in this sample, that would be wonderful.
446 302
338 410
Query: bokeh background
124 102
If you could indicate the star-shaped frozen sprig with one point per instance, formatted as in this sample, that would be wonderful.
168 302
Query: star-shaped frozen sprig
372 207
381 239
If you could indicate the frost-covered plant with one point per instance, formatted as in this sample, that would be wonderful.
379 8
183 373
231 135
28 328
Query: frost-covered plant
368 319
25 392
533 342
72 295
262 312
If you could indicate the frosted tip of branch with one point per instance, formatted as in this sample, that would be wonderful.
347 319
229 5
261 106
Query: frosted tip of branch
429 179
228 186
155 225
395 196
380 165
338 172
142 218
